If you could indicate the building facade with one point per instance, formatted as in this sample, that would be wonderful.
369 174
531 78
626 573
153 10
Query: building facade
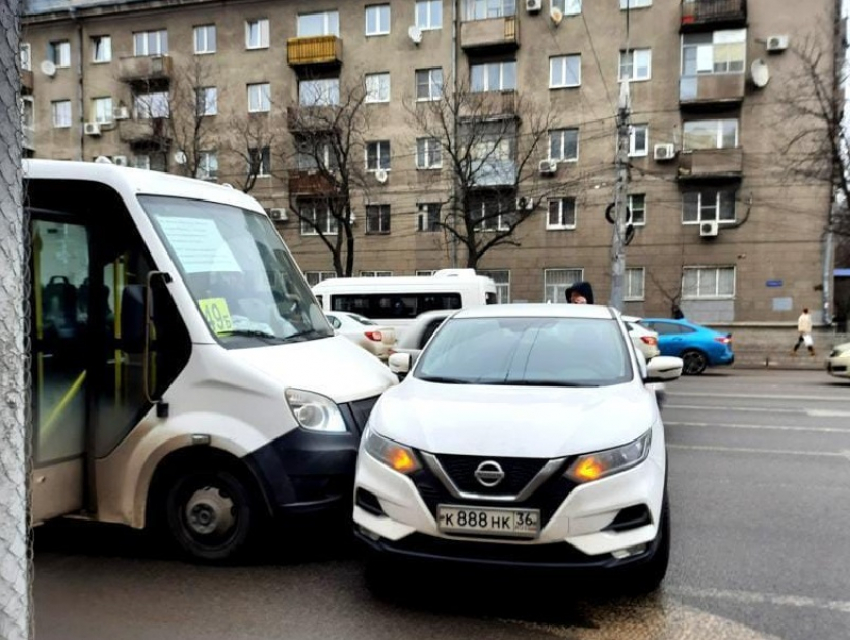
722 228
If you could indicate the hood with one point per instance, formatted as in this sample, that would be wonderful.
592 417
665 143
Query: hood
334 367
490 420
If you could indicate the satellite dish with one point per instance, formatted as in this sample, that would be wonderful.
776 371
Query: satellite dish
180 157
48 68
415 34
556 15
760 73
381 175
103 160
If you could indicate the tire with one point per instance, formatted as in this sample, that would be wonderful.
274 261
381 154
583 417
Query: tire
695 362
648 576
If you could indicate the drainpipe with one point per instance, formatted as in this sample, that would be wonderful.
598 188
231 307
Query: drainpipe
72 11
453 238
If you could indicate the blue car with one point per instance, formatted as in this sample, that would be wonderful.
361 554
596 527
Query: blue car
700 347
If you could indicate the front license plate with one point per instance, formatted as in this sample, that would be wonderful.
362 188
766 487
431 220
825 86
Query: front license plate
515 523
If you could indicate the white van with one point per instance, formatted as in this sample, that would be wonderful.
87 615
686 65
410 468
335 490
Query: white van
183 375
397 300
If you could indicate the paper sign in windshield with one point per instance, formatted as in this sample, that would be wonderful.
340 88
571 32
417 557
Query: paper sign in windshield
199 245
217 313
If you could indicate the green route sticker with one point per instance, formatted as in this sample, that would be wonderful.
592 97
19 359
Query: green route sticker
217 313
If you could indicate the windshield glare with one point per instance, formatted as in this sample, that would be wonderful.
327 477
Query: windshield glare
238 271
527 351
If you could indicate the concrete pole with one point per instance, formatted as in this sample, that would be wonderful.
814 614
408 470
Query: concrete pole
621 196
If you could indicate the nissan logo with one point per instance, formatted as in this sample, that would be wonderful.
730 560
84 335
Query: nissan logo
489 473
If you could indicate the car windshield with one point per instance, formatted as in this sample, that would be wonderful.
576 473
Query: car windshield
527 351
239 272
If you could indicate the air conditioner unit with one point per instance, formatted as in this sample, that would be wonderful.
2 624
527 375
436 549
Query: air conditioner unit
664 152
278 214
119 161
381 175
547 167
709 229
120 113
777 43
533 6
91 129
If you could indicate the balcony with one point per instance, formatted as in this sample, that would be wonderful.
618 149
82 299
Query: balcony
26 82
144 68
700 15
142 130
720 89
490 105
311 119
316 50
700 164
493 33
309 182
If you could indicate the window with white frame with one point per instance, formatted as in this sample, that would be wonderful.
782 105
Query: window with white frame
378 20
502 278
634 281
150 43
61 114
429 14
376 274
315 277
259 161
492 212
377 218
429 154
563 145
708 205
700 283
428 217
204 37
637 205
378 155
321 23
26 56
27 113
635 4
638 140
493 158
316 218
377 87
257 34
102 110
567 7
259 97
635 65
101 49
557 281
485 9
564 71
710 134
493 76
141 161
562 214
207 98
151 105
207 166
429 84
714 53
319 92
59 53
315 153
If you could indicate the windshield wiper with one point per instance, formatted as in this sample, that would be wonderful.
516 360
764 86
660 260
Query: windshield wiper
248 333
302 335
543 383
443 379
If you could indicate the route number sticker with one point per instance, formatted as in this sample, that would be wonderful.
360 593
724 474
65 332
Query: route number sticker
217 313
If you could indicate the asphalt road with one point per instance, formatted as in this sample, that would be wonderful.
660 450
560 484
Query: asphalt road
760 490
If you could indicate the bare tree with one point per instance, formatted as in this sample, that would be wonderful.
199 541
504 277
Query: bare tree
248 144
192 99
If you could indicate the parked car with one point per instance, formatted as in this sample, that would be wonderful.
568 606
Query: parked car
416 335
525 435
838 362
699 347
376 339
644 338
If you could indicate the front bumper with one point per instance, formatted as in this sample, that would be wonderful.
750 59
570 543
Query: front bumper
838 366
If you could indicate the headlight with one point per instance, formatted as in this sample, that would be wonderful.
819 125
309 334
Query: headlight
594 466
397 457
315 412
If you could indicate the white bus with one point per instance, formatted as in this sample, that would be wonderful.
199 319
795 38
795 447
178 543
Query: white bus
397 300
183 375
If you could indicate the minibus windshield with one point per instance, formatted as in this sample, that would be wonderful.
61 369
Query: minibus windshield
239 272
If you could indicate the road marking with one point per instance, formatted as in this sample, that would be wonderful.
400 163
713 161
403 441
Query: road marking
754 597
781 452
729 408
767 427
749 396
826 413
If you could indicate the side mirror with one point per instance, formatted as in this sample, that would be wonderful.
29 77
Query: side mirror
133 318
663 369
400 363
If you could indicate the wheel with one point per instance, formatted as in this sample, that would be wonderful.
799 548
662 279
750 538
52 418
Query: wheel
695 362
647 577
210 513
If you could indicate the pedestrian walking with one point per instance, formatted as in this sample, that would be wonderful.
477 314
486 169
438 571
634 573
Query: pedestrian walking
804 329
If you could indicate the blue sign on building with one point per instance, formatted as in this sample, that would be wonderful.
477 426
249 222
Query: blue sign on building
773 283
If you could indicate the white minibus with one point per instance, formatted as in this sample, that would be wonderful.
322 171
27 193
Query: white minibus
183 375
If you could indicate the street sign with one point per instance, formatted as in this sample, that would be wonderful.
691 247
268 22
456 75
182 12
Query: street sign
773 283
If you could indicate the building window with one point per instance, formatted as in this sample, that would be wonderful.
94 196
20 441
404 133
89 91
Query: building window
429 84
484 9
425 272
61 114
634 284
562 214
563 145
638 140
635 4
141 161
377 87
377 218
376 274
494 76
59 53
205 39
207 166
151 105
492 212
378 20
429 154
207 98
315 277
322 23
257 34
710 134
101 49
557 281
708 283
567 7
428 217
429 14
26 57
637 205
378 155
259 162
102 110
708 205
317 93
259 98
502 278
27 113
317 217
635 65
564 71
711 53
493 158
150 43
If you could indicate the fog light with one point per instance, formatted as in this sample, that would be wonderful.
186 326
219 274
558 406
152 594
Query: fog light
369 534
628 552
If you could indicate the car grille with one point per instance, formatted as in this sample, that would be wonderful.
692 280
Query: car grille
518 473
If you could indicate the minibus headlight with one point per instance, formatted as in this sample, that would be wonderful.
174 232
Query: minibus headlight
315 412
396 456
601 464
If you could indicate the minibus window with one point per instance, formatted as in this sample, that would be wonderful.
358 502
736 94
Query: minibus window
491 298
394 305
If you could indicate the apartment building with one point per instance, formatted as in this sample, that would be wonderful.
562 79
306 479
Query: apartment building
721 226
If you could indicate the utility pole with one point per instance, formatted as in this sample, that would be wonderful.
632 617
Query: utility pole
621 199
